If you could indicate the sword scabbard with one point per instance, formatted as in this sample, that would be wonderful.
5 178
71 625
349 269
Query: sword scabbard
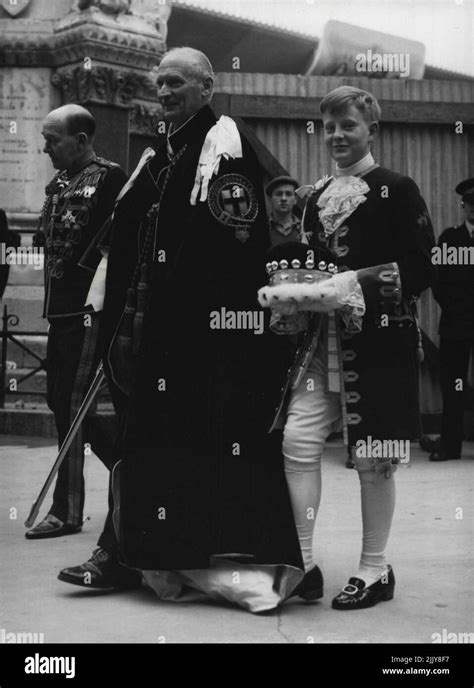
84 407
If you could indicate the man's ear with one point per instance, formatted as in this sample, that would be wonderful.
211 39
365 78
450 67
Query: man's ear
207 87
373 130
82 139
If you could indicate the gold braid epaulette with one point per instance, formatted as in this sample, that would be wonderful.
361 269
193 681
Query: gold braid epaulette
106 163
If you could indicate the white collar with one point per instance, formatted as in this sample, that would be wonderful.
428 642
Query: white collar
470 226
358 167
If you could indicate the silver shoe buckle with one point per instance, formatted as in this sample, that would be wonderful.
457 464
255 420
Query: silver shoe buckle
350 589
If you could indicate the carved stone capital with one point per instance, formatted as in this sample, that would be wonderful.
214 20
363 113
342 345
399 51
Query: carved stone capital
101 85
108 31
106 43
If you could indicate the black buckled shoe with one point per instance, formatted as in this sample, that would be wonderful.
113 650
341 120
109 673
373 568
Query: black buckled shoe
355 595
442 455
311 587
51 527
102 571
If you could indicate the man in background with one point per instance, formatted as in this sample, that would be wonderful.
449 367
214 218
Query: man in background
454 291
284 225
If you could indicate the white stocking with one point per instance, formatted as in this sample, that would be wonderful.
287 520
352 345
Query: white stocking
304 485
378 504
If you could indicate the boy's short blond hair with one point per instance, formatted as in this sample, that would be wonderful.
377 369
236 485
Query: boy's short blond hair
341 98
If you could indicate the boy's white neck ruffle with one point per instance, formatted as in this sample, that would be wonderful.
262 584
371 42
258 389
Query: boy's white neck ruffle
357 168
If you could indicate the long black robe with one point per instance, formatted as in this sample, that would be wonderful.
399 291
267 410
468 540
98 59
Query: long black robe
200 475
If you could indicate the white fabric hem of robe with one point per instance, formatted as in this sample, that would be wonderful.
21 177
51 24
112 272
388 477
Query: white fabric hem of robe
256 587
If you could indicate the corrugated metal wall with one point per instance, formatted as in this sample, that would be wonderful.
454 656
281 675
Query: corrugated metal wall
434 155
449 91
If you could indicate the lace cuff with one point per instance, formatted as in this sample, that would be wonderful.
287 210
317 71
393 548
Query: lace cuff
350 299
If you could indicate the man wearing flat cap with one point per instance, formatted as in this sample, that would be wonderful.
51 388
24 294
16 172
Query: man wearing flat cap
454 291
283 224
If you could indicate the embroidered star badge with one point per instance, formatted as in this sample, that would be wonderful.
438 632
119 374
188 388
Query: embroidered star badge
68 218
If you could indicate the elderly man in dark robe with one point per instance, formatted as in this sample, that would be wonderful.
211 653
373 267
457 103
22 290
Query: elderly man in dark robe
201 505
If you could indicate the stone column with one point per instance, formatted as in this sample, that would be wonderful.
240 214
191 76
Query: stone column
98 53
105 52
95 52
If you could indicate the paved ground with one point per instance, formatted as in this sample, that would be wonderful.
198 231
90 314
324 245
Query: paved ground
431 550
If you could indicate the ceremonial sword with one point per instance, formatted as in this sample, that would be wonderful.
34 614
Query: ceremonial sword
88 399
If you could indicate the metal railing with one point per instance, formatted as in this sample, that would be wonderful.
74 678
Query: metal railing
9 319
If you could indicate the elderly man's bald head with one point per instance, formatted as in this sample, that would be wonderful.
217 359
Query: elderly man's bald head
195 62
185 82
74 118
68 132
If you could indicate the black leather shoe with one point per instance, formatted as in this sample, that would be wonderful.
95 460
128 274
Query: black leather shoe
102 571
442 455
355 595
311 587
51 527
429 444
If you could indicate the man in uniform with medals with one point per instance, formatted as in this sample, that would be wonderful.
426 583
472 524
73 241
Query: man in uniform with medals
79 199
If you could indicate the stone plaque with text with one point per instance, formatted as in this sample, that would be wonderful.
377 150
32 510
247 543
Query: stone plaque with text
26 97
